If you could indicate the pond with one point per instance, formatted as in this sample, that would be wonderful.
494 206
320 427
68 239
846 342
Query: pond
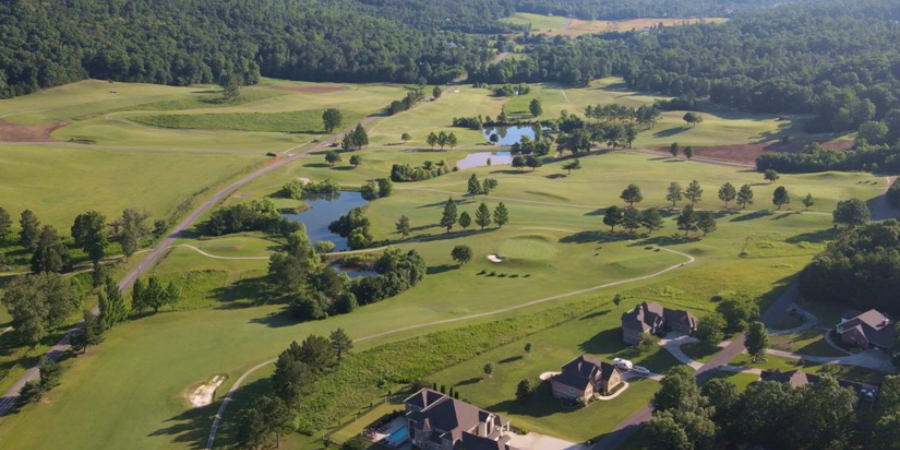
508 135
481 160
354 273
322 211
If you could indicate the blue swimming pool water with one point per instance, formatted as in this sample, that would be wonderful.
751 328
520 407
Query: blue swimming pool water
398 436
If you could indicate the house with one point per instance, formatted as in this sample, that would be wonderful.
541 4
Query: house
651 318
870 329
584 376
798 378
439 422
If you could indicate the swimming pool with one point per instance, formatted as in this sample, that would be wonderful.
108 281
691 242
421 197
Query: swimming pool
398 437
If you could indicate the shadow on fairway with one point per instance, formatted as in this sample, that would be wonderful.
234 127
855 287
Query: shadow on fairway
751 216
670 132
443 268
585 237
190 427
814 237
281 319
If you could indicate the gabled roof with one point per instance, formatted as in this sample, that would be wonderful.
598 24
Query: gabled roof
470 441
795 378
423 398
579 372
681 317
449 418
643 317
875 326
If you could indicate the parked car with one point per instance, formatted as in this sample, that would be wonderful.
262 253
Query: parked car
640 370
623 364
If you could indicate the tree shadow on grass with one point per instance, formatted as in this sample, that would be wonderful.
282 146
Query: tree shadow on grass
595 314
443 268
510 359
441 204
541 404
605 342
317 165
662 241
244 293
279 319
670 131
751 216
596 212
585 237
191 427
814 237
469 381
554 176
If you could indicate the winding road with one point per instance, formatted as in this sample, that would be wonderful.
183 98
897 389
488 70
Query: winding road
12 394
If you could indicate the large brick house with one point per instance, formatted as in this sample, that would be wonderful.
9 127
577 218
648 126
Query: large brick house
870 329
439 422
652 318
584 376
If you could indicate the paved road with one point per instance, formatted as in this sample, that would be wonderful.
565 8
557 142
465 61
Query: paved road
9 398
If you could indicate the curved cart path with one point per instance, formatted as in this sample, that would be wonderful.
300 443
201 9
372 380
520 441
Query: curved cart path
12 394
237 384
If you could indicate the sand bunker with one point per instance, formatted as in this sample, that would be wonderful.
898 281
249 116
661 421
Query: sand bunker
494 258
205 393
303 180
548 375
312 89
10 132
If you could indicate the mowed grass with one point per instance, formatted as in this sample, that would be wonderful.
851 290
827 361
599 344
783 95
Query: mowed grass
558 25
59 183
308 121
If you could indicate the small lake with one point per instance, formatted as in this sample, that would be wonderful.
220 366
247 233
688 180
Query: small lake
324 210
508 135
473 160
354 273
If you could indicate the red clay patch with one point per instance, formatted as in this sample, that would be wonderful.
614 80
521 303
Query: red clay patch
312 89
747 153
10 132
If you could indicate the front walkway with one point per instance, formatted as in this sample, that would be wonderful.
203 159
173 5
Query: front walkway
673 342
536 441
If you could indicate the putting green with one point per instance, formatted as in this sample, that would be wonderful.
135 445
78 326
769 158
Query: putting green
529 247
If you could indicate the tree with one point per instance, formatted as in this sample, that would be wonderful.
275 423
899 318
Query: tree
442 139
771 176
757 341
474 187
664 433
673 149
781 197
528 348
50 255
50 372
111 305
369 191
385 187
5 226
341 342
674 193
360 137
432 139
710 329
632 194
617 300
687 220
332 158
268 416
494 138
647 343
692 118
693 192
89 232
452 141
613 217
631 220
533 162
137 296
89 334
808 201
332 118
231 86
727 193
535 108
403 227
483 216
462 254
745 196
29 230
706 222
449 217
853 212
501 215
689 152
355 160
436 92
129 230
488 370
738 314
405 137
488 185
40 303
574 165
465 220
518 162
678 390
524 390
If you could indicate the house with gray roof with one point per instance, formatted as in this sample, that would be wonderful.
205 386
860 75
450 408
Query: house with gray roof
583 377
439 422
870 329
652 318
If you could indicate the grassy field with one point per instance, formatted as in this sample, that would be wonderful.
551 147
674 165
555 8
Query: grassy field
308 121
561 26
554 244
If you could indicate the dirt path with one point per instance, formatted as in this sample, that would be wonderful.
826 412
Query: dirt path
9 398
237 384
499 57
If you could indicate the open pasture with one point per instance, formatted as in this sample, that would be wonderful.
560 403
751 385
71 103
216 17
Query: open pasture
562 26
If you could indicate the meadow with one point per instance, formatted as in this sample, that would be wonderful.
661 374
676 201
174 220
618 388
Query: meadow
557 250
562 26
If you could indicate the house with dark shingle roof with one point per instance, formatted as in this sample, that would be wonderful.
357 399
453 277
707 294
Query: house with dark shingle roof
584 376
652 318
439 422
870 329
798 378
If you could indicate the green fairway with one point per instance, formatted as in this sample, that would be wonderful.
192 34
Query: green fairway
309 121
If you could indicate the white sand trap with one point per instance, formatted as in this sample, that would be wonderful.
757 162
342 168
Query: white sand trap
204 393
494 258
548 375
303 180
